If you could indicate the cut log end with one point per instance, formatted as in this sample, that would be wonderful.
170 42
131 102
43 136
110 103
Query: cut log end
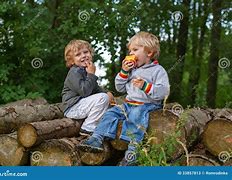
94 159
27 135
162 124
11 153
56 152
217 137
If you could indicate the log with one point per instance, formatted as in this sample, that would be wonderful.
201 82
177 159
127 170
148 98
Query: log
199 160
56 152
94 159
11 152
217 138
165 123
11 118
26 102
197 157
190 124
34 133
63 152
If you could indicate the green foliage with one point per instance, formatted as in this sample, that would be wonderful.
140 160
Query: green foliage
41 29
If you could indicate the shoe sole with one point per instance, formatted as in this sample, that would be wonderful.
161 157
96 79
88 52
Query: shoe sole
84 134
91 149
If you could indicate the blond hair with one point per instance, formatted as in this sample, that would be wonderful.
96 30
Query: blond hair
149 41
74 46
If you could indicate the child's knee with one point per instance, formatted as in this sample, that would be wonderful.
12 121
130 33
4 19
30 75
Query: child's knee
104 98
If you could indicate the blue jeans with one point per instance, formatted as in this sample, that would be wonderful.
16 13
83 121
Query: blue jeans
134 119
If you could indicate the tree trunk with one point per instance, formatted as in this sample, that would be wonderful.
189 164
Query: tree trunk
214 53
195 62
198 160
94 159
26 102
198 156
11 118
217 138
181 51
165 124
11 152
56 152
34 133
200 55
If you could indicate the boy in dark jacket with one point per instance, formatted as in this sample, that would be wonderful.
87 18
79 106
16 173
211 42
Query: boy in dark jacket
81 95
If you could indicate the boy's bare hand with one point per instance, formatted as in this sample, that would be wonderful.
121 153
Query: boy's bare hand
111 98
126 65
90 67
138 82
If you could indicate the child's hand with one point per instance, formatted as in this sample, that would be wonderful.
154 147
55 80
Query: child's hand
126 65
90 67
111 98
138 82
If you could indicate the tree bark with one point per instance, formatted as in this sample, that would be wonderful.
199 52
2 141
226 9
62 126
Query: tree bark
11 118
195 77
26 102
198 156
11 152
56 152
198 160
180 53
214 54
34 133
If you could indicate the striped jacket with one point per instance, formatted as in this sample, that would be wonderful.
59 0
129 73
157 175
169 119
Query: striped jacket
154 90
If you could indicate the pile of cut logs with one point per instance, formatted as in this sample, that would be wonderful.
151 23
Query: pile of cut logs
35 133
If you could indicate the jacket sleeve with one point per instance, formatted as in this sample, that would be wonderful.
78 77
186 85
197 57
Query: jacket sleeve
159 88
84 86
121 81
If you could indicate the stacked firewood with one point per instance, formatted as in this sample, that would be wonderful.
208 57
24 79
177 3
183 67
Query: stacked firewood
35 133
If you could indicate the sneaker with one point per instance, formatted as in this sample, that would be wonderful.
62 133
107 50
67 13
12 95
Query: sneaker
85 133
91 144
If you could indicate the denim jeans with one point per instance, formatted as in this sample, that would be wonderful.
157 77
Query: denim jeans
134 119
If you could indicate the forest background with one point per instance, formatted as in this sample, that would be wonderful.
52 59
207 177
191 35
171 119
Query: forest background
195 37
